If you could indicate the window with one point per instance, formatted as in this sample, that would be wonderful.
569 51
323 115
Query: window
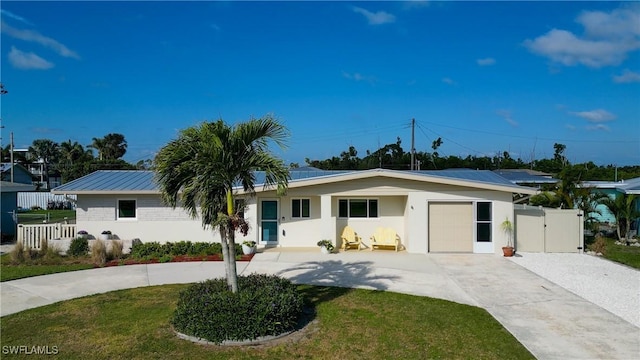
483 222
126 209
300 208
358 208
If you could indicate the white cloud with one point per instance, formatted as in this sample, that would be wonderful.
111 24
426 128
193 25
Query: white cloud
627 76
359 77
448 81
486 61
598 127
607 39
34 36
570 127
595 116
28 61
377 18
15 17
622 22
506 115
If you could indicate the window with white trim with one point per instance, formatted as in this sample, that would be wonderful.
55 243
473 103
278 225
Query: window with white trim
300 208
127 209
483 221
358 208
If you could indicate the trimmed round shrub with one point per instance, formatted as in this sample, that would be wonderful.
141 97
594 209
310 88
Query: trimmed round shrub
265 305
78 247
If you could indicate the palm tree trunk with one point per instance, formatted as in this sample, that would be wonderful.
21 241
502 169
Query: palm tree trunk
225 251
230 261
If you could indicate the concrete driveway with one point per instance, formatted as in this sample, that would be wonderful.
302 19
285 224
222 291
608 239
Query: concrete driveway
550 321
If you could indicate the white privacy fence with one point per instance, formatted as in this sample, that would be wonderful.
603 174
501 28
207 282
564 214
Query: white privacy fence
27 200
33 235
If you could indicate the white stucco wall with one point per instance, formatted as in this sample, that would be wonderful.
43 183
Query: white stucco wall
154 221
402 204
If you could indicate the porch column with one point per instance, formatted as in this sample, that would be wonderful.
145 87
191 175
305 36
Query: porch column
328 222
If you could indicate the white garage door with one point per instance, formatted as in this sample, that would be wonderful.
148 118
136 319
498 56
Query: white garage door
451 227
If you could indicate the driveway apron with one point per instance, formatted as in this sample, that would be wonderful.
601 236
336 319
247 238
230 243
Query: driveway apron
550 321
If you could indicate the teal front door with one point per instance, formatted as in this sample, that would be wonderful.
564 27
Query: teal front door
269 221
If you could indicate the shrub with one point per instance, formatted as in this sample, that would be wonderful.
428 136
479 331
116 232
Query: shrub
78 247
265 305
165 258
599 246
147 250
17 254
151 250
116 249
99 253
181 248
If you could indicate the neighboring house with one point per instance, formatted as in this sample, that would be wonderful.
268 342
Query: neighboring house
9 192
527 177
431 211
21 175
631 186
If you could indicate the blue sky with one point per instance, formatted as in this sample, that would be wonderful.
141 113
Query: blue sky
487 77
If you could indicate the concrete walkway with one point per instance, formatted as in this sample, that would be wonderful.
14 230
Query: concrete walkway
550 321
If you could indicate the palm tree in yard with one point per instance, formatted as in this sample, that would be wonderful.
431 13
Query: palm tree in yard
622 207
201 169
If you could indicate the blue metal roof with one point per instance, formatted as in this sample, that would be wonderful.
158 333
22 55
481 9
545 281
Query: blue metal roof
112 180
143 180
525 177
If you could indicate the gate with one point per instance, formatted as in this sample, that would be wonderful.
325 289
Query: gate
548 230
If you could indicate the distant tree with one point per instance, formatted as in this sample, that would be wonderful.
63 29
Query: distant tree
110 147
146 164
200 169
45 151
74 160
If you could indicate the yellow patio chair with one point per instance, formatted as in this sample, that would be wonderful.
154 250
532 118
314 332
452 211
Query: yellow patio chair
350 238
385 237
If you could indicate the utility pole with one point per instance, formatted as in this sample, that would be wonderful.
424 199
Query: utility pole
11 149
413 143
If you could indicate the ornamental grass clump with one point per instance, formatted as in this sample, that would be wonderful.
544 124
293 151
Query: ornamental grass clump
17 254
99 253
265 305
116 249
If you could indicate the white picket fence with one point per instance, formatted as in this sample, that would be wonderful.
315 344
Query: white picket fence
27 200
33 235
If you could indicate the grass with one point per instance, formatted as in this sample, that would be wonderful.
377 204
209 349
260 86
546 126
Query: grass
33 217
9 271
352 324
628 255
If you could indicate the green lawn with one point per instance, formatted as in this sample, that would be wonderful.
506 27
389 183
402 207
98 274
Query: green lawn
628 255
352 324
13 272
37 216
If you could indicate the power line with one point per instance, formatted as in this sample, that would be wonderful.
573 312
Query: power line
448 139
534 138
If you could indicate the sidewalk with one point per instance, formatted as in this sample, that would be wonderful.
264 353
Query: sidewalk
550 321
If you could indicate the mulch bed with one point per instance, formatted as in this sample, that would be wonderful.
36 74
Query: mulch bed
179 258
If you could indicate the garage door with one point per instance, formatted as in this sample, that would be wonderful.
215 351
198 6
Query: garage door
451 227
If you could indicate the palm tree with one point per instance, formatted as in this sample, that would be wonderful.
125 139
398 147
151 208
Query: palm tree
99 145
622 207
44 151
115 146
201 168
